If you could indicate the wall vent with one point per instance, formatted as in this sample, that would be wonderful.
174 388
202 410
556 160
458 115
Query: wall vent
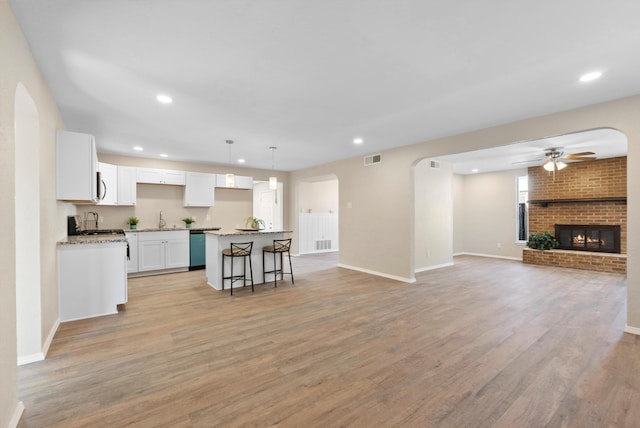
435 164
323 244
372 159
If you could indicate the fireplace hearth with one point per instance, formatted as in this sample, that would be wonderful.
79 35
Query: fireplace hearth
597 238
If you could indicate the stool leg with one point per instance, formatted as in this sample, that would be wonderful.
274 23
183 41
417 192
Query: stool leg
290 268
223 272
275 271
231 280
251 271
281 268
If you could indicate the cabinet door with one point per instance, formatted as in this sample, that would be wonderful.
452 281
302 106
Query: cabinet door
243 182
150 255
173 177
76 167
132 263
109 184
177 253
149 175
199 190
126 185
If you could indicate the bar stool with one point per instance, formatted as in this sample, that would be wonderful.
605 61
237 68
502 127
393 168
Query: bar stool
280 246
238 249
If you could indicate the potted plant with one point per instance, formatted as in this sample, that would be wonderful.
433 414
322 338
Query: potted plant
542 241
254 223
188 221
133 223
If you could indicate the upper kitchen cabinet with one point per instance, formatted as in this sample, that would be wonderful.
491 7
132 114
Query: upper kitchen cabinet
160 176
199 190
240 182
126 185
108 184
76 168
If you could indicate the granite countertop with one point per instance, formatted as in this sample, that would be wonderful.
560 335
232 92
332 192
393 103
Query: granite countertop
246 232
91 239
170 229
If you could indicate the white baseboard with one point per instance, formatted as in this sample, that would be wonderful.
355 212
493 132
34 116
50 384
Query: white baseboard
52 333
493 256
28 359
17 414
424 269
384 275
632 330
39 356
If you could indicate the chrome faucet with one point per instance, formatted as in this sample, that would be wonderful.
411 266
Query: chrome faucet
162 223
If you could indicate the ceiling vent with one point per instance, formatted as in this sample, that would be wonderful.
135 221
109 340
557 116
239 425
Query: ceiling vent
372 159
435 164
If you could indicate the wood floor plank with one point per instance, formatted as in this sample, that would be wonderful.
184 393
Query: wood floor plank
483 343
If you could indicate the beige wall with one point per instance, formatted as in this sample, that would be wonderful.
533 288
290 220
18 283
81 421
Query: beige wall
489 214
459 209
319 196
17 66
433 215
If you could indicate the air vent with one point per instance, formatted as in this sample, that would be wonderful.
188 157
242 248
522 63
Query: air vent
372 159
435 164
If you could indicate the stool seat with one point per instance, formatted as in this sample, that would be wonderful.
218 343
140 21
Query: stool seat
238 249
280 246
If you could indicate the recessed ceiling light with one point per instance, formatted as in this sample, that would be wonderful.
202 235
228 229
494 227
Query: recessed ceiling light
358 141
590 76
240 160
164 155
138 149
474 170
164 99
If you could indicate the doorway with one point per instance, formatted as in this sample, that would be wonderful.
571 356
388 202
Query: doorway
27 228
268 205
318 219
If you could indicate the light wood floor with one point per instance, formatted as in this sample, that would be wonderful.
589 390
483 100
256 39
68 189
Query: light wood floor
485 343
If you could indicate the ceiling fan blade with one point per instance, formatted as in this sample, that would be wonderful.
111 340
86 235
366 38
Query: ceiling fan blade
581 158
527 161
574 155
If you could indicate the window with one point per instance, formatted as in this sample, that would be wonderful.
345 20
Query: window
522 208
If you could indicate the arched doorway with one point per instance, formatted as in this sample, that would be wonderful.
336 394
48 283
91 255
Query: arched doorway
27 228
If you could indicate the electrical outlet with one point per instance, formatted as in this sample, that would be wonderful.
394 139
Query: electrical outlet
428 253
100 219
208 217
499 245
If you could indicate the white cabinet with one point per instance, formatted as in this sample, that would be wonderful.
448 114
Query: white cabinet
92 279
126 185
319 232
199 189
163 250
108 184
76 168
241 182
160 176
132 262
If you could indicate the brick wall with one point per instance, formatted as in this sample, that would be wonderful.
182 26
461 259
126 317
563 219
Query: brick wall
606 178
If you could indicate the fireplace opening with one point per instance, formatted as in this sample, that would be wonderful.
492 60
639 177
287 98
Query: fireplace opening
602 238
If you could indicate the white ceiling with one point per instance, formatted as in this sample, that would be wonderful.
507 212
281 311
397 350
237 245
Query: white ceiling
309 77
604 143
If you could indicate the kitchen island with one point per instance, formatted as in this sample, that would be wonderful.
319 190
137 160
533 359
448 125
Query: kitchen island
218 240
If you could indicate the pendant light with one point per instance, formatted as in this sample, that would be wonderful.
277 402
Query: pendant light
230 179
273 180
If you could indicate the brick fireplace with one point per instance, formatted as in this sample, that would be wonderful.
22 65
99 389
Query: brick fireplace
584 194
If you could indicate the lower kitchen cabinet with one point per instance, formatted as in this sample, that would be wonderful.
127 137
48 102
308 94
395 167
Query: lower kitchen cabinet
163 250
92 279
132 262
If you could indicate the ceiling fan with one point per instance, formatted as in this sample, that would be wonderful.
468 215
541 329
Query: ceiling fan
555 156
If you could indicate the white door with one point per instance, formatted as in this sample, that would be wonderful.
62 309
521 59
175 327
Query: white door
150 255
267 205
176 253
